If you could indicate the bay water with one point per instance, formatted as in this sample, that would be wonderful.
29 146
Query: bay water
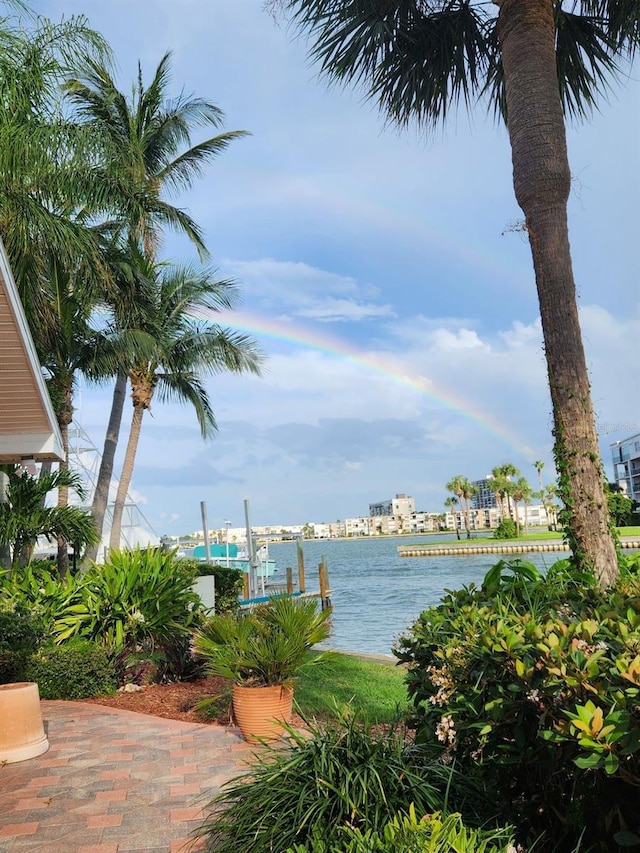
376 594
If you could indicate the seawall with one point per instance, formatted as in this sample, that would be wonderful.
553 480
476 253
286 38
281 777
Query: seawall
461 550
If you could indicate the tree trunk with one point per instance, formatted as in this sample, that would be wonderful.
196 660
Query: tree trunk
542 179
65 416
101 494
125 477
5 550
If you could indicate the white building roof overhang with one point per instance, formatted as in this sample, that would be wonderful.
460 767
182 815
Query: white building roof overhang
28 426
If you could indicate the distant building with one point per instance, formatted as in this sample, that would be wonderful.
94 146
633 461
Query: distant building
484 497
626 465
401 505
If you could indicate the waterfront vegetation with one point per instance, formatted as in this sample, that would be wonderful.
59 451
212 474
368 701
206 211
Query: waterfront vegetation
524 725
513 718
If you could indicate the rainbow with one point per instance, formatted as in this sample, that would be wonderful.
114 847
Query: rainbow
383 365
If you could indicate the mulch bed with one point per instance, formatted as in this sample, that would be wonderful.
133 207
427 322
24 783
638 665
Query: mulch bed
175 701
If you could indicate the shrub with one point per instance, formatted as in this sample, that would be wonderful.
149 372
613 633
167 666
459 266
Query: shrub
21 632
506 529
141 599
77 670
229 584
404 833
532 686
39 589
328 778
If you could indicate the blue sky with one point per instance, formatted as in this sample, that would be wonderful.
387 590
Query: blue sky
381 274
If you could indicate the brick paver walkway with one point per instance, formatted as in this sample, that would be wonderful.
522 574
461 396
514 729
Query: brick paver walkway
115 781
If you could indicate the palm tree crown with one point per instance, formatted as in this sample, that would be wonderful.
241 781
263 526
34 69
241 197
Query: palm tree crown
147 146
188 347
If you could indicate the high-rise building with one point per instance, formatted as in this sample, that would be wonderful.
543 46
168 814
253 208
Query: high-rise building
626 465
484 497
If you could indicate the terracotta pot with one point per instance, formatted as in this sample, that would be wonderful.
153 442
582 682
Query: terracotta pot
260 711
21 731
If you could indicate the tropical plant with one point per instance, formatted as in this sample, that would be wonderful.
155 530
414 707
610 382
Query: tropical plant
24 516
267 646
533 62
41 591
538 465
531 685
186 348
451 503
137 600
548 496
46 163
328 778
463 490
503 486
521 492
145 147
405 833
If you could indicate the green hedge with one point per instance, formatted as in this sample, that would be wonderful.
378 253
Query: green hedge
77 670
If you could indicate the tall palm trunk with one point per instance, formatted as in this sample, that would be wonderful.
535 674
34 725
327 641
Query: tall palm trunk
101 494
542 179
125 477
65 416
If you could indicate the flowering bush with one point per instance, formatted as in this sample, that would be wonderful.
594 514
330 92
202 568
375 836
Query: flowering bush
533 686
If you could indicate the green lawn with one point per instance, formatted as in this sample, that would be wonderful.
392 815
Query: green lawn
376 690
536 536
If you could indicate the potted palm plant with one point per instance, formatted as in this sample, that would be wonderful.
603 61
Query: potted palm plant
261 651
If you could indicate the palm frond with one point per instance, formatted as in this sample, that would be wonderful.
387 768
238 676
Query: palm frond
620 19
187 387
415 59
585 59
180 172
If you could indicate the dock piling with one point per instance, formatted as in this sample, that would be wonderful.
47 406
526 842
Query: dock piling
302 585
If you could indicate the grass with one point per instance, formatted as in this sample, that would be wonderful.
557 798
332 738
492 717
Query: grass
375 689
537 536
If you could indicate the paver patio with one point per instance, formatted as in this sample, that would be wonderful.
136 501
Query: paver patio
115 781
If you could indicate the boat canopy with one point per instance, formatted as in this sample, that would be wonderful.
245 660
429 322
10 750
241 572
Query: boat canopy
215 551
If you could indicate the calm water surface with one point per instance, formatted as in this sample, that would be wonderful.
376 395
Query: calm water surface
377 594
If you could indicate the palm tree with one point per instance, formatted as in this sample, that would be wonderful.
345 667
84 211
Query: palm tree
186 349
46 173
71 339
539 466
145 144
503 481
468 490
451 503
521 492
533 61
24 517
463 490
549 493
